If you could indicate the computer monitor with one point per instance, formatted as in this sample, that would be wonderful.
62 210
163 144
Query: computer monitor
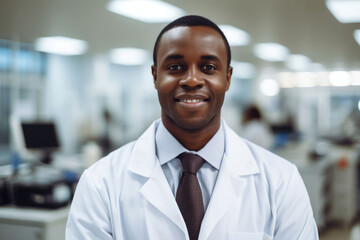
41 136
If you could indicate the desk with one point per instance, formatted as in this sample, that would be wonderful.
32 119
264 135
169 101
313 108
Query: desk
32 224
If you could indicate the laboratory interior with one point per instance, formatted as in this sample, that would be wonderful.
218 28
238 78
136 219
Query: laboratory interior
76 84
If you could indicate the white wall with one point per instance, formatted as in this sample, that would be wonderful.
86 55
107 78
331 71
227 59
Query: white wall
79 88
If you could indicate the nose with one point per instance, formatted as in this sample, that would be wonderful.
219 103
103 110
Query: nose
192 78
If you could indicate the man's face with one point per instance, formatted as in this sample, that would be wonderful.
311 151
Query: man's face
191 77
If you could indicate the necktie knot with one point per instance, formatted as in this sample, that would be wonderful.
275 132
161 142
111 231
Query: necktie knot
191 162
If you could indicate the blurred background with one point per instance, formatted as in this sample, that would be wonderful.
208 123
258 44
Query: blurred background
75 84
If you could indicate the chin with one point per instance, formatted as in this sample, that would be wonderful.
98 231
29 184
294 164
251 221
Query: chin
194 124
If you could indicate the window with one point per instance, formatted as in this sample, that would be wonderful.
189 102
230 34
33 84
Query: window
22 72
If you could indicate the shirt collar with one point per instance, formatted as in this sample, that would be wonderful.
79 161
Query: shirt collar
168 148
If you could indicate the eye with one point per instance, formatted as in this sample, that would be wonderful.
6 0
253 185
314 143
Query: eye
175 67
208 67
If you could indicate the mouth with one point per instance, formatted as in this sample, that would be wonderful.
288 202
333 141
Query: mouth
191 99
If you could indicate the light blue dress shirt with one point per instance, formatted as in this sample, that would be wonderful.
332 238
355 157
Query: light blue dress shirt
168 148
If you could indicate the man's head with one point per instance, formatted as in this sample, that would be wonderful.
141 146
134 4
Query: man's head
189 21
191 74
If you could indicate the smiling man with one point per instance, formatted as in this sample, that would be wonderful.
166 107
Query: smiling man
189 176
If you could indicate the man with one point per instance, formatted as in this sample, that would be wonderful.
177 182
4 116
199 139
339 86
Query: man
146 189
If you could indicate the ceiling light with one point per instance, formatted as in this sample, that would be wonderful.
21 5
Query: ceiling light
355 75
339 78
149 11
61 45
298 62
235 36
243 70
286 79
357 35
129 56
345 11
272 52
269 87
323 79
306 79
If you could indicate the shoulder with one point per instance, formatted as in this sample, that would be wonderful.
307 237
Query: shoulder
126 160
268 161
237 145
266 166
110 167
280 177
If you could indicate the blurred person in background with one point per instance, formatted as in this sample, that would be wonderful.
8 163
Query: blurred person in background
255 129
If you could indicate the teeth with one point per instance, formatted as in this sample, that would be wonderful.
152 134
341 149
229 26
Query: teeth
192 100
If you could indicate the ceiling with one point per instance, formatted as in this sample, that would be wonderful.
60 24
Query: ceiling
303 26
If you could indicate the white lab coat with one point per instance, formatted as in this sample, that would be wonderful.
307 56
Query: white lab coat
126 196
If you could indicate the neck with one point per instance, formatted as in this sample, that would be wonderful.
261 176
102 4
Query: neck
194 139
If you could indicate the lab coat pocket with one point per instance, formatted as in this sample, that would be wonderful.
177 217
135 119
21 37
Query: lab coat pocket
248 236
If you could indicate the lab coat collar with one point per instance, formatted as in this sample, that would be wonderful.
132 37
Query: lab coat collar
238 154
156 189
143 159
237 164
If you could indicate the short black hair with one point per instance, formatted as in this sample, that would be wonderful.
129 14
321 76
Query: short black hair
189 21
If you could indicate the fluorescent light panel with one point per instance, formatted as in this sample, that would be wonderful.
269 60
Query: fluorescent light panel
61 45
269 87
235 36
272 52
129 56
345 11
306 79
286 80
355 75
339 78
298 62
149 11
319 79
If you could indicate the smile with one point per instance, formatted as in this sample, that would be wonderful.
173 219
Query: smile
191 100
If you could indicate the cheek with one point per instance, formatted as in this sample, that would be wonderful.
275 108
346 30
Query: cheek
218 87
164 88
166 84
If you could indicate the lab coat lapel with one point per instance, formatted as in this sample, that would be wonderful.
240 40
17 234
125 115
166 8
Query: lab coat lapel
238 163
225 193
156 189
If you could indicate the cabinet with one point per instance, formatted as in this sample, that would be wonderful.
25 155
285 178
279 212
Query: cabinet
32 224
331 182
344 187
318 179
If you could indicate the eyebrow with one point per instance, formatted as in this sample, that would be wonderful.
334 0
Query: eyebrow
210 57
205 57
174 56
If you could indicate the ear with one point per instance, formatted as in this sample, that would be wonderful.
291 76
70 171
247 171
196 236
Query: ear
153 72
228 77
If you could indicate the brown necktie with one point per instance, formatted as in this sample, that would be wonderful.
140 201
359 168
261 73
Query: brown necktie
188 195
